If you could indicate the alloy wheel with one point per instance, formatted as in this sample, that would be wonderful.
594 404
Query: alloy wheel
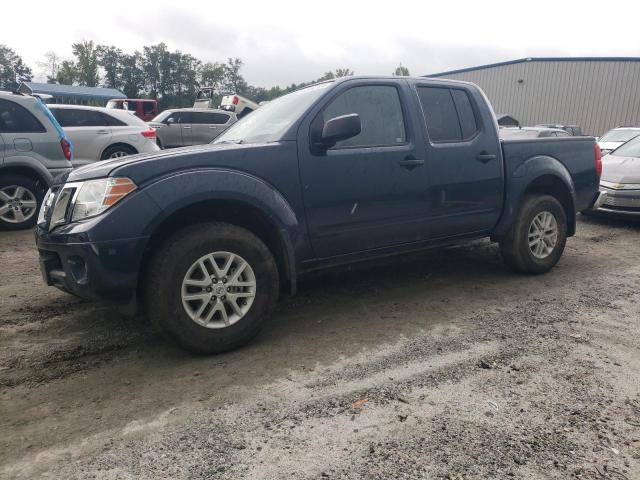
17 204
218 289
543 235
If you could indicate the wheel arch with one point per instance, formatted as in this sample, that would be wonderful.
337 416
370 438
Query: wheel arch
543 175
118 144
232 211
40 177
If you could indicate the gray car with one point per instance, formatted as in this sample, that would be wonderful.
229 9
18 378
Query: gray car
190 126
33 150
620 181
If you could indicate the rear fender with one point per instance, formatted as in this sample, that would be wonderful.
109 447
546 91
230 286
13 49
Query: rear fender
523 178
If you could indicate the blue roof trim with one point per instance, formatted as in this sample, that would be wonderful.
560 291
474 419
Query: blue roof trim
537 59
72 90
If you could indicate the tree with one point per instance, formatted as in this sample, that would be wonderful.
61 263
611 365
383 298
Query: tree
401 71
86 63
12 69
67 73
50 66
132 76
234 81
110 59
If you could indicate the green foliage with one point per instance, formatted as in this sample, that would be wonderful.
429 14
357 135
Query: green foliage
87 65
171 77
13 71
401 71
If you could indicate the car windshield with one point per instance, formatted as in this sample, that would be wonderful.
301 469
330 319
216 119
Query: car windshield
161 117
269 122
619 135
629 149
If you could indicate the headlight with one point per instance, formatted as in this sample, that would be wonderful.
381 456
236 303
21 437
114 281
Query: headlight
95 196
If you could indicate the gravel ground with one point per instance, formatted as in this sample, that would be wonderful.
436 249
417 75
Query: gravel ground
441 364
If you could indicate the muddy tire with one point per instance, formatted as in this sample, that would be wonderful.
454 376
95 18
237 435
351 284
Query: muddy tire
20 201
210 287
537 238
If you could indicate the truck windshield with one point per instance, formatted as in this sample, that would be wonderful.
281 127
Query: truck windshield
269 122
618 135
629 149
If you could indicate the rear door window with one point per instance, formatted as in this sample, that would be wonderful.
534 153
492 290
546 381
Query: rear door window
466 115
113 122
15 118
380 114
448 113
71 117
147 108
212 118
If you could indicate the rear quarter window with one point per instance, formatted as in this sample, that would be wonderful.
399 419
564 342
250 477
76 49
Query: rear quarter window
15 118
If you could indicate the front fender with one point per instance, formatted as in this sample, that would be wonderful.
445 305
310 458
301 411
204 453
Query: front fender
521 177
175 192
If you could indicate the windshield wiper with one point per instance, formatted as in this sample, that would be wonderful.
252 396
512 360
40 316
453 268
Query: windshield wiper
236 142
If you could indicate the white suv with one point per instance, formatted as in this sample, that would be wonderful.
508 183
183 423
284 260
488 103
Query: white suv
100 133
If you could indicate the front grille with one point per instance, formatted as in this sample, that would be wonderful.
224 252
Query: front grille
626 202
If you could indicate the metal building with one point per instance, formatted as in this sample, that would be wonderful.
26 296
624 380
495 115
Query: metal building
72 94
596 93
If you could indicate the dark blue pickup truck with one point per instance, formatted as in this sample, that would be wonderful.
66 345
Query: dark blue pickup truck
205 238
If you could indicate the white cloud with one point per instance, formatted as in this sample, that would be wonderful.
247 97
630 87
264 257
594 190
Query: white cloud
285 41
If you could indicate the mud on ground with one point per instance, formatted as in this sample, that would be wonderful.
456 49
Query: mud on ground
441 364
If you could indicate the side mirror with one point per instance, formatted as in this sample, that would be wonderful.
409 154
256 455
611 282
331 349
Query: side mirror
171 120
339 128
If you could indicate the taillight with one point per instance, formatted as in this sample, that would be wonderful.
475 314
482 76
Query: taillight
598 156
151 133
66 148
235 100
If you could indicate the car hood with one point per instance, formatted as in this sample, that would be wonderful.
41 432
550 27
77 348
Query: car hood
618 169
143 167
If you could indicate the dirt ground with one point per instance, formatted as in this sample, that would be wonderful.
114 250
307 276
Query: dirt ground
441 364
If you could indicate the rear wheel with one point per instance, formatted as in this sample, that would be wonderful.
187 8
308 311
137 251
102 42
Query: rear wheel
20 200
211 286
117 151
538 237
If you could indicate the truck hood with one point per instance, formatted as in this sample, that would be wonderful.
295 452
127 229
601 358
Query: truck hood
144 167
617 169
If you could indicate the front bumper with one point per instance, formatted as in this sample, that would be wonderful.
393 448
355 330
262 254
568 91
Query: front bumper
93 270
617 202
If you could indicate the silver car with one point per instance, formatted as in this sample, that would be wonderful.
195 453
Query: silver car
620 181
190 126
33 150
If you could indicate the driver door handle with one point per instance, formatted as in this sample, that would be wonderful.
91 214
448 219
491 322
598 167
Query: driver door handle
410 161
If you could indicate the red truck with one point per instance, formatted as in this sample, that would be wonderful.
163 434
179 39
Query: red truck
143 108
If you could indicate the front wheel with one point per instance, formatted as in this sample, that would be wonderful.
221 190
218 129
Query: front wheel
20 199
211 286
537 238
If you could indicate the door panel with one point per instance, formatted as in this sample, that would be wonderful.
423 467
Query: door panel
368 191
463 162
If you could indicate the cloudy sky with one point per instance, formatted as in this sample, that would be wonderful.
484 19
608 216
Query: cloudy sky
283 42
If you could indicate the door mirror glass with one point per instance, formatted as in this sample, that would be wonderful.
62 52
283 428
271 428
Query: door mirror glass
339 128
170 120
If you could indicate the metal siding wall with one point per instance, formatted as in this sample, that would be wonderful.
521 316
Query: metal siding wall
597 95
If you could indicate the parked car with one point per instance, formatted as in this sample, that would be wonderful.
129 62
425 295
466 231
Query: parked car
573 130
620 182
616 137
532 132
33 150
101 133
143 108
190 126
358 167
